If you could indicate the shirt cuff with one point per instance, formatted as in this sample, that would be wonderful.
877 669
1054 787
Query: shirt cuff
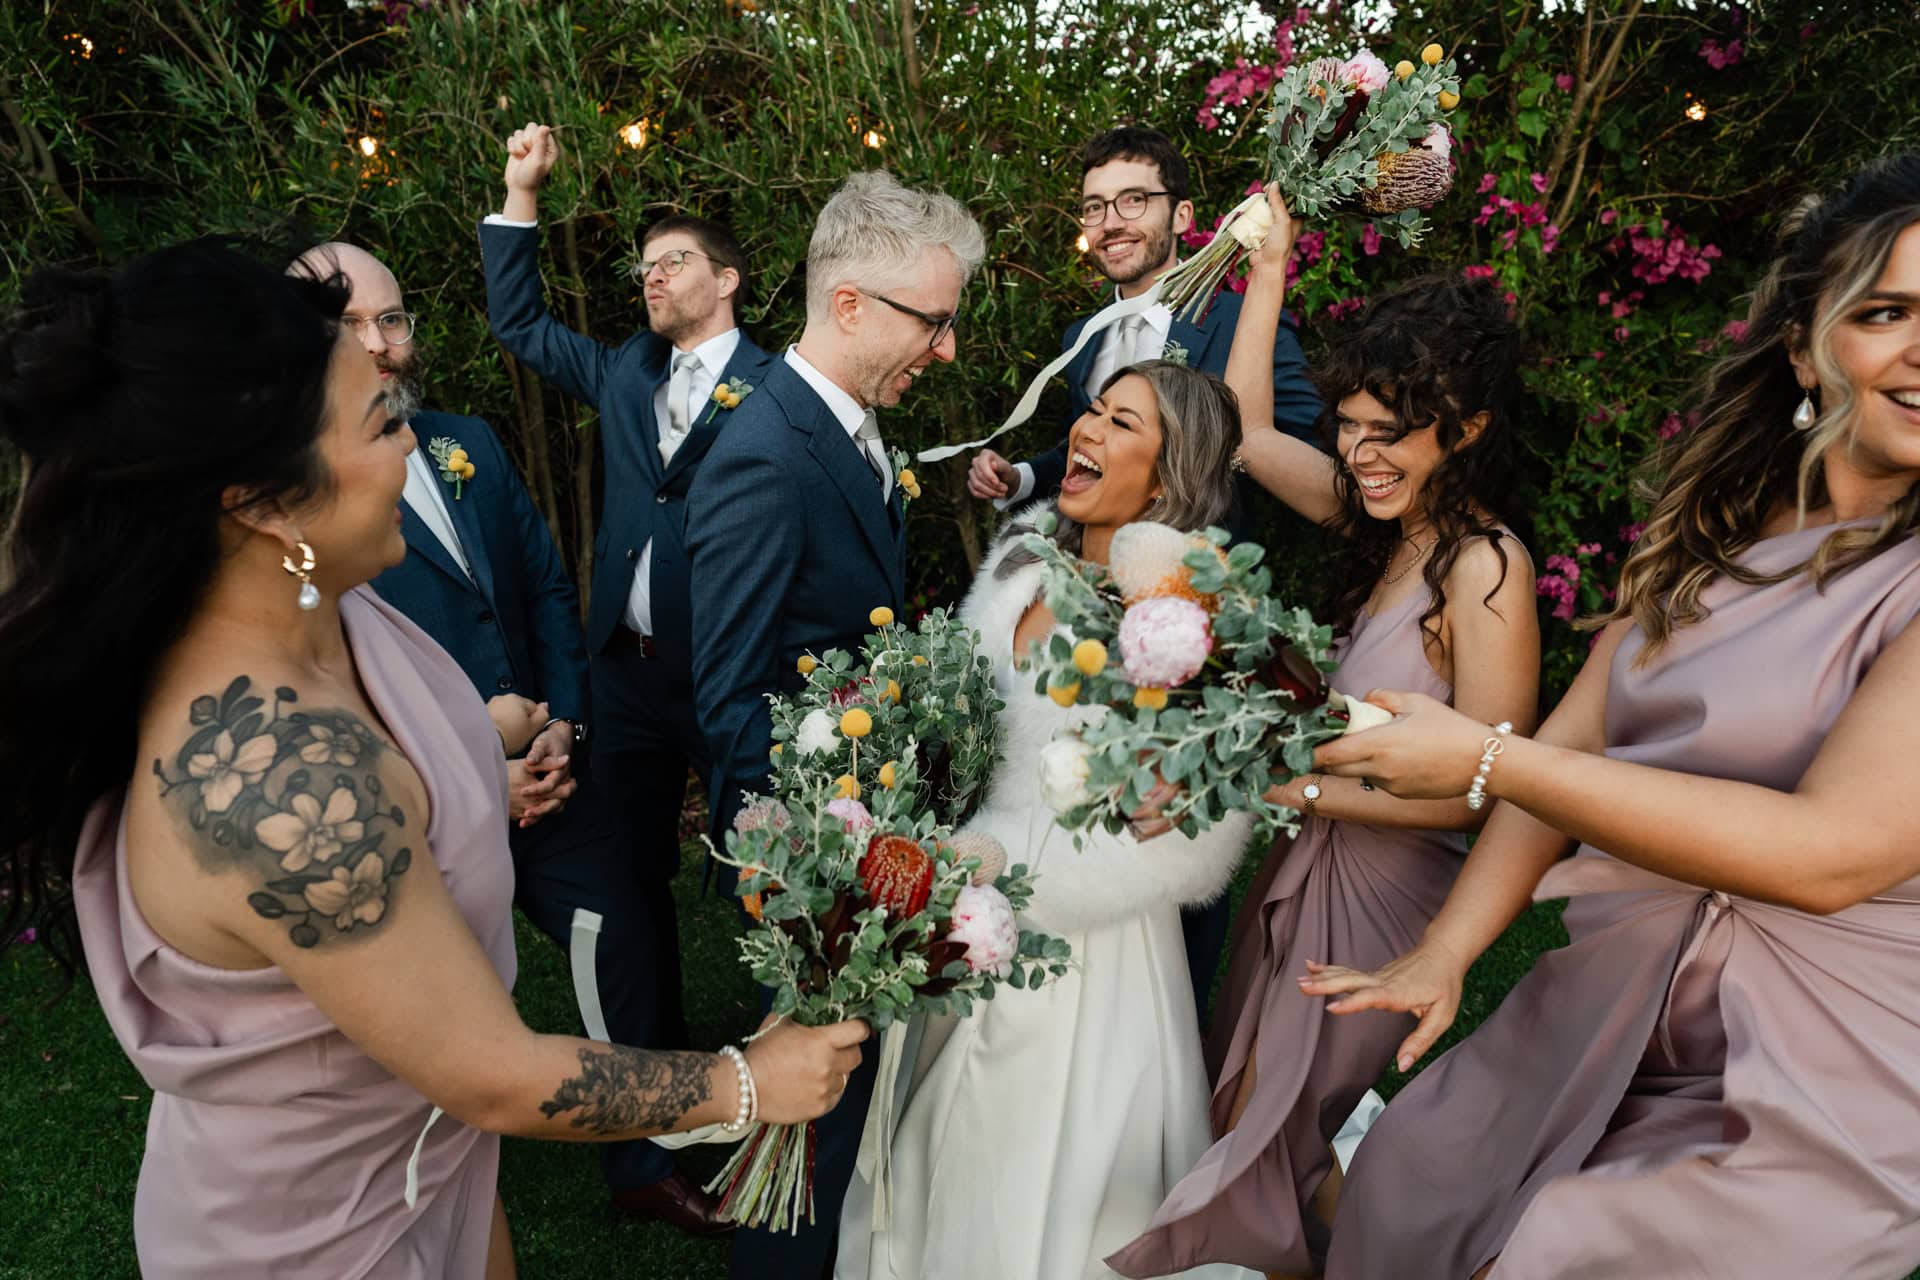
1022 491
500 220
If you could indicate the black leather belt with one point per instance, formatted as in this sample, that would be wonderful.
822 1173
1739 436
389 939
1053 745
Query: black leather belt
627 640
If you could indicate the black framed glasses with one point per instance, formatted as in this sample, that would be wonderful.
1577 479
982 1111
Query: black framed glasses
396 327
672 263
941 325
1128 204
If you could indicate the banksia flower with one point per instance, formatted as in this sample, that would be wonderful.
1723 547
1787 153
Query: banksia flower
1410 179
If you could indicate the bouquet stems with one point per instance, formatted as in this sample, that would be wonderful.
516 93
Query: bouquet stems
769 1180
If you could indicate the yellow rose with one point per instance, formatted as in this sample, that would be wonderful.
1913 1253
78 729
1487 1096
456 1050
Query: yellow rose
1402 69
881 617
887 776
806 664
846 787
893 692
1064 694
1448 101
1150 699
1432 54
1090 657
856 723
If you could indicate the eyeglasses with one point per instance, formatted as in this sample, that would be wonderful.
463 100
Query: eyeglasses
1128 204
396 327
672 263
942 325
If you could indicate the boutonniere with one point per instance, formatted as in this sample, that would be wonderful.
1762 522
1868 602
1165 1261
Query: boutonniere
903 475
728 395
1174 353
455 468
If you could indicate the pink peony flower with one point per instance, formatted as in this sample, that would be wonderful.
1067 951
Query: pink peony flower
1164 641
1365 72
983 922
852 814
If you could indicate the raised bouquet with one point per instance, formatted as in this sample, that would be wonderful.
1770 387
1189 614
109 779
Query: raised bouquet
1220 687
1340 132
866 902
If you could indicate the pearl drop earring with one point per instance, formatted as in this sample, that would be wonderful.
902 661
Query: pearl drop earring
309 597
1804 415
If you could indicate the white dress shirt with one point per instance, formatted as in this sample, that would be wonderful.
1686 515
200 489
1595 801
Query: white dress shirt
846 411
1150 343
422 493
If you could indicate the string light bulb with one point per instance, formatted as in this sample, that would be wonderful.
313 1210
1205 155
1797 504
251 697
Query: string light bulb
873 139
635 133
1081 243
369 145
1696 110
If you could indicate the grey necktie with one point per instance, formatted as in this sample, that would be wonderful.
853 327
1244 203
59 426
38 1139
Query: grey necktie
1117 354
868 437
679 412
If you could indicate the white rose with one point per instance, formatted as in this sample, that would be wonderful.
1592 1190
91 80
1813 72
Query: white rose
1361 716
1254 222
1063 774
817 733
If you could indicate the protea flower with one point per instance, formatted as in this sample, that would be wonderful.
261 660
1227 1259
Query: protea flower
897 874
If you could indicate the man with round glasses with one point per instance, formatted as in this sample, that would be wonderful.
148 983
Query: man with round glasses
1134 205
658 419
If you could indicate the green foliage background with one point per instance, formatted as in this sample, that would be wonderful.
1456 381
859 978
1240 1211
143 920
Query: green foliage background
132 123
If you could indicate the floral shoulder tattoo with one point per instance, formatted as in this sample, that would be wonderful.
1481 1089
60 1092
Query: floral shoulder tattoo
296 794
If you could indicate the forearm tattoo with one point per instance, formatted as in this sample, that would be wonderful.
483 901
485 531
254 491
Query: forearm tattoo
625 1090
294 795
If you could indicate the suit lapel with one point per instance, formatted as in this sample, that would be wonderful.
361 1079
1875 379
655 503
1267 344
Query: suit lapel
465 511
1081 366
1195 338
749 363
421 542
466 527
850 472
650 422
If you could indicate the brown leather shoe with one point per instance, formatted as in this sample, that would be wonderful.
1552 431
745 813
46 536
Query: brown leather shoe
675 1201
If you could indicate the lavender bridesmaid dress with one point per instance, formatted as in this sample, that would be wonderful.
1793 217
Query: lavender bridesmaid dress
1343 892
275 1147
1699 1085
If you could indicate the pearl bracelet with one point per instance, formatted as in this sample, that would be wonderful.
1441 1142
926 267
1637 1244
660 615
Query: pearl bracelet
748 1109
1477 792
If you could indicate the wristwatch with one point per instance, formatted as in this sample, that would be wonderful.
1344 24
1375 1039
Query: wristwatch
1310 794
579 730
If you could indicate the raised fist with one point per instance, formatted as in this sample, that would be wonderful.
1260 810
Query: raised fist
531 153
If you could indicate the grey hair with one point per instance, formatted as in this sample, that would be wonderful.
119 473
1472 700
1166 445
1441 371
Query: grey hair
873 232
1199 433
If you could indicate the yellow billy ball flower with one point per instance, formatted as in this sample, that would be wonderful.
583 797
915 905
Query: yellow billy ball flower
1150 699
777 749
805 666
919 659
893 692
913 490
456 458
1064 694
846 787
1432 54
887 775
466 471
1448 101
856 723
881 617
1402 69
906 478
733 400
720 394
1090 657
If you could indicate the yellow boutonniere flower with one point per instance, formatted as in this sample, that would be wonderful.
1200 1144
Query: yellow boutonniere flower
455 467
728 395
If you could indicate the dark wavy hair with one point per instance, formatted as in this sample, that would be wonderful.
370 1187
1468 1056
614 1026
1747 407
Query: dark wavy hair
1138 142
1436 351
1746 460
134 444
717 241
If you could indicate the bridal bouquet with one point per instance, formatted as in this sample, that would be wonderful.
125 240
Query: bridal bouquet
1218 684
1340 132
865 901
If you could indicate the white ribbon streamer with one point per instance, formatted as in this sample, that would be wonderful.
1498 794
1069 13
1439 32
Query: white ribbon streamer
412 1192
1347 1141
586 980
1099 323
875 1161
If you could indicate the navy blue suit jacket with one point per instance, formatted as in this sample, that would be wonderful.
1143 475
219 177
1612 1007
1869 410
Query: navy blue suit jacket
645 499
1296 406
514 627
792 549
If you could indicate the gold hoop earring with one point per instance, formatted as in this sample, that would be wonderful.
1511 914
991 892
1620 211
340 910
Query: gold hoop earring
309 597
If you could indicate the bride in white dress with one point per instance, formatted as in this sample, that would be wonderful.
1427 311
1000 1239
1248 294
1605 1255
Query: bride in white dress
1041 1132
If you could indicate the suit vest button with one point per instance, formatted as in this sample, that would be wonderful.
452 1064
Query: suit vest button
632 554
486 616
660 498
505 683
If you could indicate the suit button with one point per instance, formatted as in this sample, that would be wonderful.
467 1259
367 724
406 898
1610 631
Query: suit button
486 616
660 498
632 554
505 683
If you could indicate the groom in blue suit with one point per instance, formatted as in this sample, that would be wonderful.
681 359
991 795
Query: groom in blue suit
483 578
1134 206
658 421
796 530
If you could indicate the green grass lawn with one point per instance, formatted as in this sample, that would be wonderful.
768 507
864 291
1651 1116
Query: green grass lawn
74 1112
